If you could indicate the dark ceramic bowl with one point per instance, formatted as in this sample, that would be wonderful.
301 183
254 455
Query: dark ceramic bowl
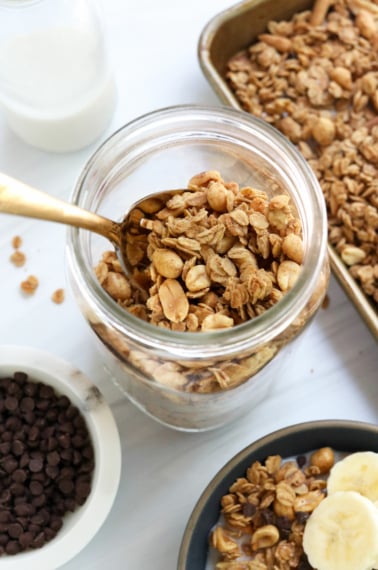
295 440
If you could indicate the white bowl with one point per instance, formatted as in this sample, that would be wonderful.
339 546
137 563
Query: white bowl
80 526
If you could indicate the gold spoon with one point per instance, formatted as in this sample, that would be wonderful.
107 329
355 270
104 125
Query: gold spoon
127 236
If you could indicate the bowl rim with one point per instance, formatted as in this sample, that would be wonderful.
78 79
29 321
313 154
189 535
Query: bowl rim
80 526
297 435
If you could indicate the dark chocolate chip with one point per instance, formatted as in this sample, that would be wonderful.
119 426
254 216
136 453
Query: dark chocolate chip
36 465
13 547
18 447
53 458
20 377
36 488
27 404
15 529
302 516
301 461
9 464
66 486
248 509
25 539
11 403
5 447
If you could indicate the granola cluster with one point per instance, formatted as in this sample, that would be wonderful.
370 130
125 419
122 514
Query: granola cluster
317 82
210 258
265 512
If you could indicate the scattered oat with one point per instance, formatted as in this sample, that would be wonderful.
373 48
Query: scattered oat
16 242
29 285
18 258
58 296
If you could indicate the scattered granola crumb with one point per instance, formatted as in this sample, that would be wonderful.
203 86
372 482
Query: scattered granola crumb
18 258
58 296
16 242
29 285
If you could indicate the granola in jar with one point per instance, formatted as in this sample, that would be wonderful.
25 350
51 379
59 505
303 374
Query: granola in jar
224 286
208 259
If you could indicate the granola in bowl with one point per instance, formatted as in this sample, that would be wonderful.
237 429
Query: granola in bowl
265 509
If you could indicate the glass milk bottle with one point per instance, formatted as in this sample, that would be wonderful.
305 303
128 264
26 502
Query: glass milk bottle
56 88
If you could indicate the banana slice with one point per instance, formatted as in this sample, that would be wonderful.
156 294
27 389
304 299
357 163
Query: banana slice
342 533
356 472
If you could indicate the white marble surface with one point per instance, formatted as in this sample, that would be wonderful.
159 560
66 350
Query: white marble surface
333 373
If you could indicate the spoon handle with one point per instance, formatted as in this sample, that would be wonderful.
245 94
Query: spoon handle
24 200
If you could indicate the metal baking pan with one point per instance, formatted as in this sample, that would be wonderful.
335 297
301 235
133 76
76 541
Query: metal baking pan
226 34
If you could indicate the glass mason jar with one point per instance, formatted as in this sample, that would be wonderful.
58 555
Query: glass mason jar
57 91
163 150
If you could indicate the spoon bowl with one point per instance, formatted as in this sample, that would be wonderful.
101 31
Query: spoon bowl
127 236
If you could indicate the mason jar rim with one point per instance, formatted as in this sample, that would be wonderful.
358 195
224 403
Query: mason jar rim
254 332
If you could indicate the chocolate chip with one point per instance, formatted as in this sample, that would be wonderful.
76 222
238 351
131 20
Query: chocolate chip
33 433
53 458
30 388
19 475
249 509
5 447
36 465
24 510
13 547
25 539
11 403
268 516
301 461
39 540
36 488
66 486
9 464
64 441
17 489
18 447
20 377
39 501
5 516
27 404
52 471
302 516
15 530
304 563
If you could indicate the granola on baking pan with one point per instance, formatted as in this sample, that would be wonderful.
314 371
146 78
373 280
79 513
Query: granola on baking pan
315 78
